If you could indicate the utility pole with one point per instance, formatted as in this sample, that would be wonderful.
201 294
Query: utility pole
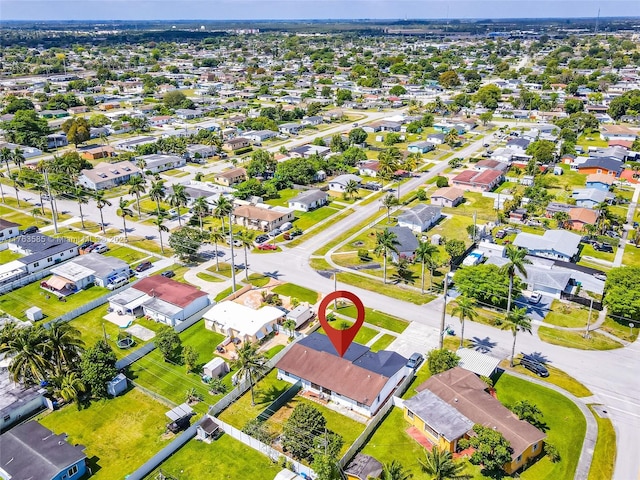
233 259
54 214
586 334
444 309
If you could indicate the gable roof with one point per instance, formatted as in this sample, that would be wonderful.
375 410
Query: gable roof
256 213
407 241
7 224
605 163
449 193
309 196
232 173
168 290
583 215
439 415
420 214
600 178
108 171
560 241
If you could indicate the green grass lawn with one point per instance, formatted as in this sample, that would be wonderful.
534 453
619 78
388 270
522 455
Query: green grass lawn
376 318
126 254
604 455
631 256
365 334
568 315
587 140
283 197
21 218
394 291
120 434
620 328
454 228
556 376
422 375
16 302
572 339
224 458
179 271
382 343
171 380
296 291
7 256
305 220
341 238
208 277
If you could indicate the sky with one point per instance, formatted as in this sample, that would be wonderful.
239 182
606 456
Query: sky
309 9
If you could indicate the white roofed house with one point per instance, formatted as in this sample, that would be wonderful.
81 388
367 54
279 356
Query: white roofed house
261 218
108 175
308 200
339 183
554 244
157 163
239 321
420 217
91 268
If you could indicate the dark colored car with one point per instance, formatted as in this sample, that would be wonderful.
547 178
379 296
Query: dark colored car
85 245
603 247
144 266
168 274
501 234
261 239
30 230
534 366
415 360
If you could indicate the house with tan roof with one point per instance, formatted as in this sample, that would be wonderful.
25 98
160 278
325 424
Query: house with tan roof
261 218
449 404
617 132
580 217
108 175
447 197
231 177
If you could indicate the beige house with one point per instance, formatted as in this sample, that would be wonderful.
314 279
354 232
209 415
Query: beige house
237 143
447 197
262 218
231 177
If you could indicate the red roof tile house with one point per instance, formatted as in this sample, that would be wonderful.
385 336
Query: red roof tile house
484 181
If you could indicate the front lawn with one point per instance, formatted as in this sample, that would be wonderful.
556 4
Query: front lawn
365 334
224 458
7 256
568 315
391 290
120 434
376 318
383 342
295 291
631 256
621 329
16 302
124 253
572 339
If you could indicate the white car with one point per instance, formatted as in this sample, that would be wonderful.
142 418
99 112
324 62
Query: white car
100 248
534 298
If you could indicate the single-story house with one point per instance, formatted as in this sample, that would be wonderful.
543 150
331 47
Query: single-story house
605 165
369 168
236 143
306 151
363 467
590 197
541 277
259 136
261 218
420 217
483 165
95 153
235 320
92 268
197 152
407 243
131 144
290 128
41 251
361 380
484 181
188 113
31 451
449 404
554 244
339 183
231 177
57 140
108 175
555 207
580 217
519 144
157 163
617 132
436 138
8 229
599 181
160 298
308 200
421 147
447 197
313 120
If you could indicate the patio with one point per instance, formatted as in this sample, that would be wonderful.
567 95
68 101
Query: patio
121 320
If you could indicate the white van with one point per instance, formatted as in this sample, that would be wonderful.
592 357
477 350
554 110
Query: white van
117 283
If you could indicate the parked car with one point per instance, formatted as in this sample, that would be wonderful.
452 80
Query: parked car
486 145
144 266
168 274
534 298
534 366
261 239
100 248
83 248
117 283
173 213
501 234
286 226
603 247
415 360
267 246
30 230
612 234
600 276
274 233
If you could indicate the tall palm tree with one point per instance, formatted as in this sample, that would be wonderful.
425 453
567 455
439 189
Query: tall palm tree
412 161
142 164
101 202
351 189
425 255
157 193
16 184
386 242
246 237
388 162
216 236
395 471
5 156
71 387
158 222
2 189
516 321
465 310
178 198
250 365
80 195
26 348
562 218
387 202
222 208
516 263
137 186
200 209
63 346
18 158
439 465
124 211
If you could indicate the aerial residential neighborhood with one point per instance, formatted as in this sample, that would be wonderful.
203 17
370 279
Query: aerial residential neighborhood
180 201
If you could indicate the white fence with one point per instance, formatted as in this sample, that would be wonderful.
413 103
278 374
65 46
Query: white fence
25 280
272 453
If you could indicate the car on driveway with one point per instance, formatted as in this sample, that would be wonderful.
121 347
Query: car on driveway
501 234
100 248
261 239
415 360
30 230
274 233
600 276
144 266
267 246
603 247
168 274
534 298
534 366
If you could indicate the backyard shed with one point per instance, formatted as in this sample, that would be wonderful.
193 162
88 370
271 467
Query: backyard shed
34 314
216 368
118 385
208 429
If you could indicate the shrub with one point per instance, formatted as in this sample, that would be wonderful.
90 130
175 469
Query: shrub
442 182
363 254
552 452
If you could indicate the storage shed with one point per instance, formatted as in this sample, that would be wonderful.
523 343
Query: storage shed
216 368
118 385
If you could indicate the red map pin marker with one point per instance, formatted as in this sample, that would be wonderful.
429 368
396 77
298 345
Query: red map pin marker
341 339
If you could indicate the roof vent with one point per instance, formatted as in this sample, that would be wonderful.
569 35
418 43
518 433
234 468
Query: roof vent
455 400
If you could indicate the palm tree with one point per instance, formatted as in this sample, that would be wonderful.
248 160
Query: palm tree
200 209
246 238
16 183
395 471
452 138
389 201
465 310
439 465
290 325
517 262
2 189
562 218
71 387
137 186
157 193
5 156
516 321
18 158
216 236
81 197
64 346
223 207
178 198
424 254
125 212
388 162
142 164
386 242
351 189
35 211
250 365
26 349
158 222
101 202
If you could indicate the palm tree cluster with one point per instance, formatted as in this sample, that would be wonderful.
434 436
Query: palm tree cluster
50 355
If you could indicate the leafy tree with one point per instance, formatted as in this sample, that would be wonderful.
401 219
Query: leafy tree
465 310
395 471
542 151
168 343
300 171
485 117
573 106
262 164
326 467
352 155
622 292
486 283
26 128
516 264
174 99
527 411
222 209
16 104
449 79
516 321
442 182
454 248
552 452
397 90
343 96
488 96
493 451
442 360
305 423
439 464
250 365
77 130
452 138
386 242
259 430
391 139
186 242
97 367
190 358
